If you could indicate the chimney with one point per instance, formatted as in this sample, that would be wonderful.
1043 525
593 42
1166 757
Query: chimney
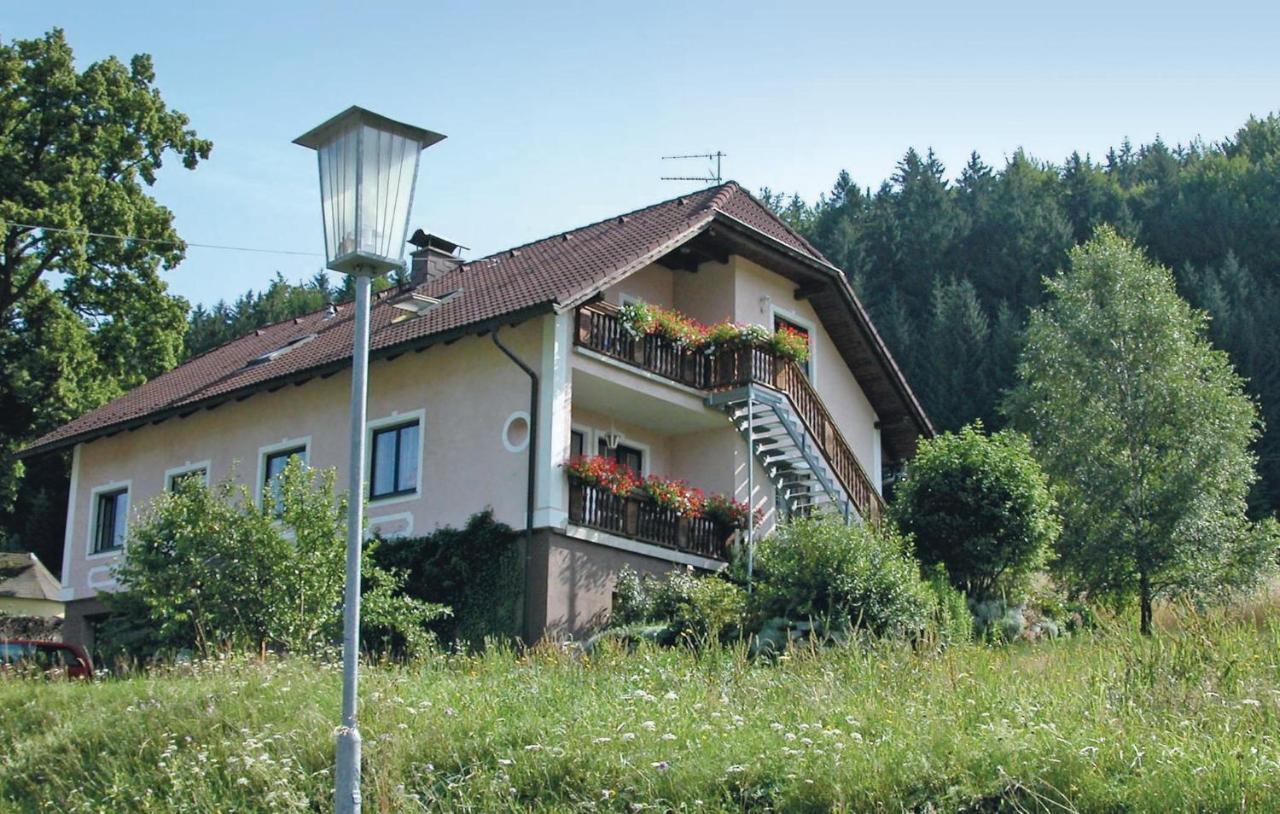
433 257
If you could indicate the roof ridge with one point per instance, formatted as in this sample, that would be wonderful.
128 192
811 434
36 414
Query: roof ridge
717 204
599 222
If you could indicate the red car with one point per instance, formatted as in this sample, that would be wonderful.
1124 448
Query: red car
51 658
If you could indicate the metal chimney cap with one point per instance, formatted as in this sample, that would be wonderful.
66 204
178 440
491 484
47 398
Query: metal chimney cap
424 240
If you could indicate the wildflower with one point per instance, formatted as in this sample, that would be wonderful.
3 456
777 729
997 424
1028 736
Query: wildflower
735 769
671 696
668 736
649 725
602 740
502 761
660 765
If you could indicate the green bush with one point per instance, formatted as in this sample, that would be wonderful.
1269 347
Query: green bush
688 607
824 571
476 571
980 506
207 568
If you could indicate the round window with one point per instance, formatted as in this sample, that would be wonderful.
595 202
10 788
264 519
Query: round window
515 435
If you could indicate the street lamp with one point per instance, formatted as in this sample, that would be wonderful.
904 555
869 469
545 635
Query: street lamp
368 168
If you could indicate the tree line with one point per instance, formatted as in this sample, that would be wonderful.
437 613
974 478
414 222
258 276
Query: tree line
950 268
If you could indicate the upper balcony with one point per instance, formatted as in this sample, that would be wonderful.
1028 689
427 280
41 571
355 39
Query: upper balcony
601 330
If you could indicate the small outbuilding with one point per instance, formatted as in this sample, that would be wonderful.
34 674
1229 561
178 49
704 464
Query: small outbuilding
27 588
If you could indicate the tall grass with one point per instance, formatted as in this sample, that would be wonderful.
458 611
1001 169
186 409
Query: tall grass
1106 721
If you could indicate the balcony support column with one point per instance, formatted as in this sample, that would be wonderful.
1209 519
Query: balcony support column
554 422
751 489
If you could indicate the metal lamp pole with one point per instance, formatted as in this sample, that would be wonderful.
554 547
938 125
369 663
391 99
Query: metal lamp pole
347 780
368 171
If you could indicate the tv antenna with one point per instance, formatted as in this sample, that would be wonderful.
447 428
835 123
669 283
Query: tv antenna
715 179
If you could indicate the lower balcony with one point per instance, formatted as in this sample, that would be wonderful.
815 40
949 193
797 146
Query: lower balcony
638 517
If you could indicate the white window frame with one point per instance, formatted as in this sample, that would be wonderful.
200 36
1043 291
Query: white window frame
170 475
390 421
260 485
646 452
803 322
114 486
591 445
588 440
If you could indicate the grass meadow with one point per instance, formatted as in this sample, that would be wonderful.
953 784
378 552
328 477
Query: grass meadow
1103 721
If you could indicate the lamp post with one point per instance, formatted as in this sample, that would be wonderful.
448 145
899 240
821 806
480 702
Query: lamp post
368 168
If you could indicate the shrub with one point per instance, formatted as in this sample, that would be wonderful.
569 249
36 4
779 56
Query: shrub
207 568
980 506
476 570
820 569
698 609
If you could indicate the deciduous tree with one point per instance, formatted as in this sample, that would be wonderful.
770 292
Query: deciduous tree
1145 427
83 315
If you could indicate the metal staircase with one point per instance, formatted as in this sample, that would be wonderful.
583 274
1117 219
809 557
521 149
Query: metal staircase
791 459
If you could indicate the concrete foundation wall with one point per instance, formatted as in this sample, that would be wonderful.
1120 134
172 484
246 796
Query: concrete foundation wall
571 583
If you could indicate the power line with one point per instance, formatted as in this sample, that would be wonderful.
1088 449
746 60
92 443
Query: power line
162 242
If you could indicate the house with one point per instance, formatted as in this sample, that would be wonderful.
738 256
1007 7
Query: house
27 588
487 376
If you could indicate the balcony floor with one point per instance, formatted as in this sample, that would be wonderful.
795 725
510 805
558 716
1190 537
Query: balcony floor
635 397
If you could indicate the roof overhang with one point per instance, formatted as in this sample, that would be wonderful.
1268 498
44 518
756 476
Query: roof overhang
187 408
902 419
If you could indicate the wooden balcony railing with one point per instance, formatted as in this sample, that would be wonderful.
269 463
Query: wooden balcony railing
601 329
637 516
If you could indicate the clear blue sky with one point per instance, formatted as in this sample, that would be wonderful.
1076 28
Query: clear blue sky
557 112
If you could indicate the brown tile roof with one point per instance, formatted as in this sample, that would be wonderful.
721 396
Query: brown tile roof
511 284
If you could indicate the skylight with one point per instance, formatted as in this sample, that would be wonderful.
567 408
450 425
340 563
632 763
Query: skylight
280 351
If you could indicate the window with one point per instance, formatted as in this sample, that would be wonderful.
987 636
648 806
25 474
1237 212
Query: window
629 457
272 465
198 472
110 519
394 469
780 322
577 443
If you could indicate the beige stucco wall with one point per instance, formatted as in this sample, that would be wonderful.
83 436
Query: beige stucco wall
708 295
16 606
466 392
652 284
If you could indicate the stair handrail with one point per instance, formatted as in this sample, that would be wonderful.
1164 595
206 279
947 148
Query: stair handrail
790 379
